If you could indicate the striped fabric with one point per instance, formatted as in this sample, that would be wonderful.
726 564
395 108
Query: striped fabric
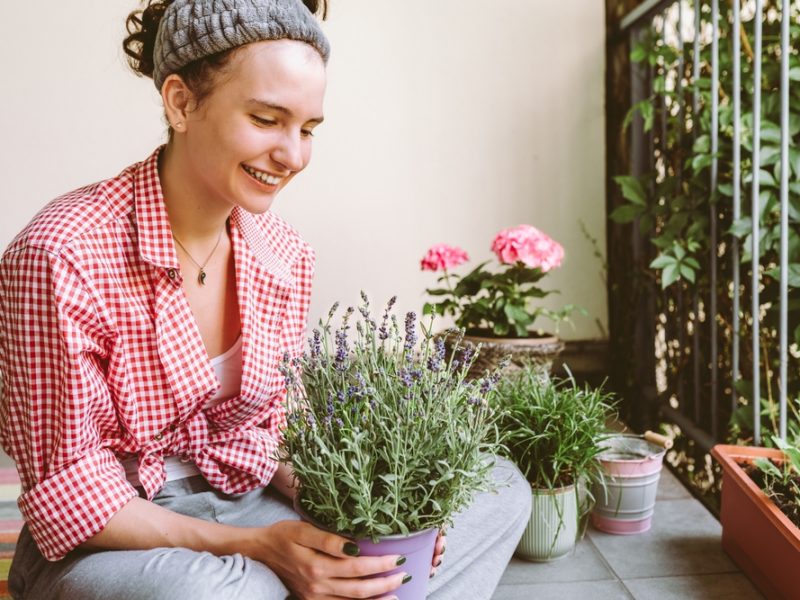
10 524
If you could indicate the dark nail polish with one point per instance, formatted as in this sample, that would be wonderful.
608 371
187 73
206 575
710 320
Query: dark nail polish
401 560
443 549
438 564
406 579
351 549
431 576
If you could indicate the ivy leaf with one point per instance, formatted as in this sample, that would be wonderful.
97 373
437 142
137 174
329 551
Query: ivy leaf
687 272
626 213
793 275
669 275
662 261
632 189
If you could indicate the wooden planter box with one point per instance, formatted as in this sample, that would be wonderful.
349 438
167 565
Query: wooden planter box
755 533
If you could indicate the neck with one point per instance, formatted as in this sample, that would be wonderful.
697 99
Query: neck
194 217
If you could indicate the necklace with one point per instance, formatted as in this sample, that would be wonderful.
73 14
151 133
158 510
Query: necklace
201 275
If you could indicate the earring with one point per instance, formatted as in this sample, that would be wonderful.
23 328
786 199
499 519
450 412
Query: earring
178 125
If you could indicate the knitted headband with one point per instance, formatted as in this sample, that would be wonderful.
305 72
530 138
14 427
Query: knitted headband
193 29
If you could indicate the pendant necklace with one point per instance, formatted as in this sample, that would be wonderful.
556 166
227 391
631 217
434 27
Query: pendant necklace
201 275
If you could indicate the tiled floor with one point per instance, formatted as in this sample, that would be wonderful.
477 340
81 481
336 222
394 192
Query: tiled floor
680 558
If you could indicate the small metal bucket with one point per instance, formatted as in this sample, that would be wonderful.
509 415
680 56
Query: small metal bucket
633 467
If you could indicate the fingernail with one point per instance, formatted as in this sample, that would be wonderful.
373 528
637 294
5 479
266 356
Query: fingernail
406 579
351 549
438 564
401 560
432 575
443 549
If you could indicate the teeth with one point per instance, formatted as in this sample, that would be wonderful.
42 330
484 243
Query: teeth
263 177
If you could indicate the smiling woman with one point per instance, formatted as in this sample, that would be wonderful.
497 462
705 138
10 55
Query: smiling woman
144 320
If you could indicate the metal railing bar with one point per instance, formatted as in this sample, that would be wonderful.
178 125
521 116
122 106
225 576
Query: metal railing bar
737 199
784 256
696 66
755 233
681 315
696 295
712 316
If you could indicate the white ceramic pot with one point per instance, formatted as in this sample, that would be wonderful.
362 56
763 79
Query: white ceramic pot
553 526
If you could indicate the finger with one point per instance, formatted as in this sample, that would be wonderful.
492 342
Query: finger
434 571
367 565
327 543
368 588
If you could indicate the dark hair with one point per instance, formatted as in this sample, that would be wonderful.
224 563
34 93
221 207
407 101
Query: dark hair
142 26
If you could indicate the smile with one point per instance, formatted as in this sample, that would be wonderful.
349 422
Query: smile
262 176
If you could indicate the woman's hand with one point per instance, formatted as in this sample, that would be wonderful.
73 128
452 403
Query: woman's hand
315 564
441 544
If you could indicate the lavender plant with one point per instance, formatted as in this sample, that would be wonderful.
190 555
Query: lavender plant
385 434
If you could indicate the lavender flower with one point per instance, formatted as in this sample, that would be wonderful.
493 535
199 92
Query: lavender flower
315 343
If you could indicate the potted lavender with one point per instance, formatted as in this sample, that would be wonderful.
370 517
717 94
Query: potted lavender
387 437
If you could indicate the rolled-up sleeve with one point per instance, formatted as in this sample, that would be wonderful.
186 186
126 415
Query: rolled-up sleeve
55 402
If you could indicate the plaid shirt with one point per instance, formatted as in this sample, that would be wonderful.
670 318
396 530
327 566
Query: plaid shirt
102 359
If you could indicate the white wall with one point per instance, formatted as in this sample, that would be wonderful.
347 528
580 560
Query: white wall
446 121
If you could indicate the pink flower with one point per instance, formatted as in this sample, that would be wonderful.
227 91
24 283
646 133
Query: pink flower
442 256
527 244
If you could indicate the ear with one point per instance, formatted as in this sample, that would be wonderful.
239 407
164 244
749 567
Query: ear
178 101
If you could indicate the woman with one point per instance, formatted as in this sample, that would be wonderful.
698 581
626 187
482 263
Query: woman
143 322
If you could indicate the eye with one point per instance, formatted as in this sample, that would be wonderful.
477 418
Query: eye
307 133
263 122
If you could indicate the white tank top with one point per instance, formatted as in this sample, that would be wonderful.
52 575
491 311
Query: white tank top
228 369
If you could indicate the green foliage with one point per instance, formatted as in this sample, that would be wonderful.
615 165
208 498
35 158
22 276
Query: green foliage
781 482
500 304
672 203
385 437
551 430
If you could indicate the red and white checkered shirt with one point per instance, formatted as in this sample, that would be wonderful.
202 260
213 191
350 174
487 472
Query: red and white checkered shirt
102 359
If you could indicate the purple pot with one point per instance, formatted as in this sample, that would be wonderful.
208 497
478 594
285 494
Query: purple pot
417 547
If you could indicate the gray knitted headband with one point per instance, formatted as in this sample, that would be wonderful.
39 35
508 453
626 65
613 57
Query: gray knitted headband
193 29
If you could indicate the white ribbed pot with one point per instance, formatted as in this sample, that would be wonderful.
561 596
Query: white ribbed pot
553 526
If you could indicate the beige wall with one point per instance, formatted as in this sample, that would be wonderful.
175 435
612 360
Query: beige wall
446 121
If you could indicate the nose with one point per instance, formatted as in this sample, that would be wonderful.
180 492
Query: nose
289 152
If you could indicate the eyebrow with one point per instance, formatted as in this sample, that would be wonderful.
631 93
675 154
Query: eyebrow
266 105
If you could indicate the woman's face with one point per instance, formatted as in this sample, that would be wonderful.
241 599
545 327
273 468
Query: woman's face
252 134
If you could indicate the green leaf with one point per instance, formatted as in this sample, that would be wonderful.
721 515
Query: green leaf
765 466
662 261
793 275
700 162
517 314
632 189
702 145
726 189
794 73
687 272
626 213
669 275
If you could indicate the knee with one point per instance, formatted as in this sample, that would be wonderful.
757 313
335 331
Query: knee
515 493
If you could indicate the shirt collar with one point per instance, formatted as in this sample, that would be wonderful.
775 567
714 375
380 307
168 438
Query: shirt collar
155 233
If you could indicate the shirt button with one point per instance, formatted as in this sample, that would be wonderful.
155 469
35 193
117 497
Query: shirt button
172 273
157 437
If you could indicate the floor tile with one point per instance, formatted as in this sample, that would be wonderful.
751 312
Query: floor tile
596 590
685 539
729 586
670 488
585 564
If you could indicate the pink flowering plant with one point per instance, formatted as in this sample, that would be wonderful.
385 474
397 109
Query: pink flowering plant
497 304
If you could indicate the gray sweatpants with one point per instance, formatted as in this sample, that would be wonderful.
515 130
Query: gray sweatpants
479 546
